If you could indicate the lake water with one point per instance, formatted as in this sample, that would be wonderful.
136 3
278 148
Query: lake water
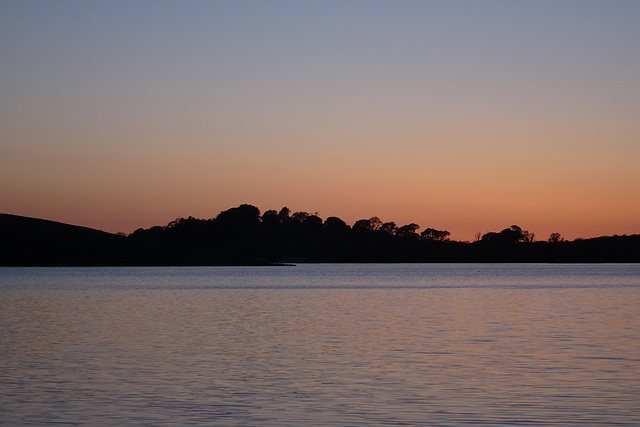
321 345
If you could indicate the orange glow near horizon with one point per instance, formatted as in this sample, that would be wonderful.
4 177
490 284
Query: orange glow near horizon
446 115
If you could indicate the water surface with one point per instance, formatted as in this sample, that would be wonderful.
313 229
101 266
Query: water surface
400 344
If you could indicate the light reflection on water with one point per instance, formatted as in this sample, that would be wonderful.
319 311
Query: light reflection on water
321 345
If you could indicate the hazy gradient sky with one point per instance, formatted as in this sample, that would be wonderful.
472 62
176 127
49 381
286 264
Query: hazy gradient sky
457 115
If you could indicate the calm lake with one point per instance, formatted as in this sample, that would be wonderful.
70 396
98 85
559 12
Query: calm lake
321 345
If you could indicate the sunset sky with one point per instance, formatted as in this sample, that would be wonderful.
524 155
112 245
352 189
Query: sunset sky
457 115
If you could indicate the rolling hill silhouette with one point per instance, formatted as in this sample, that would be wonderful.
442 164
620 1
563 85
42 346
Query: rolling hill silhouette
32 241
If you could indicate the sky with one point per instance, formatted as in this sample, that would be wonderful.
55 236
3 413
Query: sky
466 116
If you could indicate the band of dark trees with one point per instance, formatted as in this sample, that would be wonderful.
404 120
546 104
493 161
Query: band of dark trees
243 236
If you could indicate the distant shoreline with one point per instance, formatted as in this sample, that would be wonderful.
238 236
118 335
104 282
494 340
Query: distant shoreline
242 237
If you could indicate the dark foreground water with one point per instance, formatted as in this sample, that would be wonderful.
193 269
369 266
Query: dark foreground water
332 345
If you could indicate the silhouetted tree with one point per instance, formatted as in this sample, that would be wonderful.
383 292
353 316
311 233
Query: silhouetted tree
284 213
432 234
408 230
244 217
507 236
300 216
376 223
555 238
389 228
334 223
490 237
313 221
362 225
270 217
237 235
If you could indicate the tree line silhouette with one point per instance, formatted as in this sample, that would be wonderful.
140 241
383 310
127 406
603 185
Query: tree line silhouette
244 236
